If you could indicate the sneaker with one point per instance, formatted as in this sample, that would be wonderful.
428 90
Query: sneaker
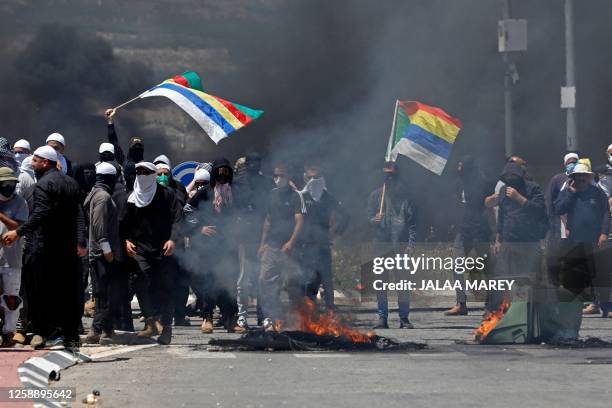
591 309
382 324
460 309
106 339
207 326
405 324
19 338
37 341
92 337
55 344
268 325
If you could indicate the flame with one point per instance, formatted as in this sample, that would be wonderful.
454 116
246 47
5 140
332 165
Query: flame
324 324
491 321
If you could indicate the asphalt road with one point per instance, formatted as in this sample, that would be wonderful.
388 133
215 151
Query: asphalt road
450 373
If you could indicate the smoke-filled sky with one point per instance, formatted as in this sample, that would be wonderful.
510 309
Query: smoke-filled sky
327 74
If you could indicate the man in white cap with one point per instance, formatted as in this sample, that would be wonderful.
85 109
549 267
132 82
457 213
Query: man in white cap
556 231
588 224
54 283
104 250
13 212
106 152
22 150
57 142
151 224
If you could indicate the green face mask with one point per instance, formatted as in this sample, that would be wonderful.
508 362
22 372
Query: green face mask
163 180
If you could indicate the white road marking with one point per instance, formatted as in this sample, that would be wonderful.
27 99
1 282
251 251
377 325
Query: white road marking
320 355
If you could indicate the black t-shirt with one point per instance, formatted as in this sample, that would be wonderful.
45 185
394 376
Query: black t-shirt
282 207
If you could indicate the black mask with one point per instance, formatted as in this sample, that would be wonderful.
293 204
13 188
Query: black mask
136 153
221 179
108 181
8 189
107 156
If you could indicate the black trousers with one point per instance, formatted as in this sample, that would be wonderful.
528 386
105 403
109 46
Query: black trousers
53 284
108 294
181 292
126 293
154 286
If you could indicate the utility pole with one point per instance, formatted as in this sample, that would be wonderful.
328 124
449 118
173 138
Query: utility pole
509 142
570 79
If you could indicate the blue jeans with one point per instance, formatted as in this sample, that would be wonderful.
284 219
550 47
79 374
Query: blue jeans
403 301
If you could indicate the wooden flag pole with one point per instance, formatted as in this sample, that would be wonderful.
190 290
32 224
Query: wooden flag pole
382 199
125 103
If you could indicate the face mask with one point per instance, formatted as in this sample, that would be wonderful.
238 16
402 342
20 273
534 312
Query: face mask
253 166
281 182
7 190
146 181
570 167
136 153
107 156
163 180
221 179
315 187
20 156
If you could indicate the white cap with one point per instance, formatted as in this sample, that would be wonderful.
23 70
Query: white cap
24 144
106 147
162 166
570 156
581 168
146 165
609 148
106 168
162 158
57 137
46 152
201 175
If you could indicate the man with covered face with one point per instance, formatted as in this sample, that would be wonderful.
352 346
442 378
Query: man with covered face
588 224
392 217
280 233
151 226
253 191
104 250
217 244
474 232
324 219
521 223
135 151
13 212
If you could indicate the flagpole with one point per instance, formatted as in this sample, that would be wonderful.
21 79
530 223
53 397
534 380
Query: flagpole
125 103
389 145
382 199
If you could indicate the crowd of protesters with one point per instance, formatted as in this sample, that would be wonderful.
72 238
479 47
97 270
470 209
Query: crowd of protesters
233 235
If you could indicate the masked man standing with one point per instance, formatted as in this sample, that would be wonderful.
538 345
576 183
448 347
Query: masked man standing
104 248
151 226
13 212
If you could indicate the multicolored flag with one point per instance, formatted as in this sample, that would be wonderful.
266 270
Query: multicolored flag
424 133
216 116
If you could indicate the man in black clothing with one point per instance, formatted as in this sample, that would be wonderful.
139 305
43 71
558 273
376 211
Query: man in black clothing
58 225
281 231
253 193
474 232
324 218
135 152
151 226
521 223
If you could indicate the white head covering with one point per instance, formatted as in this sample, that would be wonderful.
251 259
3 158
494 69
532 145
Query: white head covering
106 168
609 147
201 175
570 156
162 158
57 137
315 187
144 186
24 144
26 167
46 152
581 168
162 166
106 147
